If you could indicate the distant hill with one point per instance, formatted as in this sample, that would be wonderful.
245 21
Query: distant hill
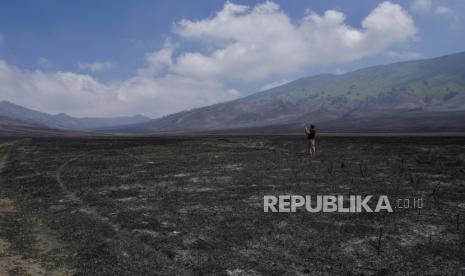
15 128
34 118
394 97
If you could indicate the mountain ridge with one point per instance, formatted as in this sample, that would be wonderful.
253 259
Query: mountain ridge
63 120
427 85
389 97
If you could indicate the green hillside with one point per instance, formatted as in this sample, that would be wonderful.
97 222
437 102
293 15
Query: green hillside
443 76
431 86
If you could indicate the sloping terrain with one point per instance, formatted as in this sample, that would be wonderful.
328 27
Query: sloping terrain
62 121
387 92
16 128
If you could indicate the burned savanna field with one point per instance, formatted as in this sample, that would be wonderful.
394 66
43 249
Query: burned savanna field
194 205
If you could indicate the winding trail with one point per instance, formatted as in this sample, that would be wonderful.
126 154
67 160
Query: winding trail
71 196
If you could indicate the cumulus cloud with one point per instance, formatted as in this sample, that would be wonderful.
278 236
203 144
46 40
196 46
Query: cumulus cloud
95 67
422 6
427 7
240 46
158 61
245 44
82 95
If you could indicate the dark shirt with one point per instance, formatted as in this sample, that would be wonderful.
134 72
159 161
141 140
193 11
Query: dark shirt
312 134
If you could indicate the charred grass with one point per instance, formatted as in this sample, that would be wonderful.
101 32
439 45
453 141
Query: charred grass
194 206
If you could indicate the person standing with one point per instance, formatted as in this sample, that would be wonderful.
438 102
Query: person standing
311 134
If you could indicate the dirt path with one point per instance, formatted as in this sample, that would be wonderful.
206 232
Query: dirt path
73 197
70 195
46 256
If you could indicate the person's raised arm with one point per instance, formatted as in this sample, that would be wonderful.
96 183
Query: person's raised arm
306 130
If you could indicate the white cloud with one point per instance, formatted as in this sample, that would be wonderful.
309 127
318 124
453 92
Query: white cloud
450 15
339 71
248 44
95 67
237 47
158 61
427 7
273 84
82 95
443 10
422 6
43 61
405 55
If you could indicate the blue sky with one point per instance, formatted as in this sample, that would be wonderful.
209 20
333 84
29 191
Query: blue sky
105 58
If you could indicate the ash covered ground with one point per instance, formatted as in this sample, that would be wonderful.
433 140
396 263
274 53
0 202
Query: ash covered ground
194 206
